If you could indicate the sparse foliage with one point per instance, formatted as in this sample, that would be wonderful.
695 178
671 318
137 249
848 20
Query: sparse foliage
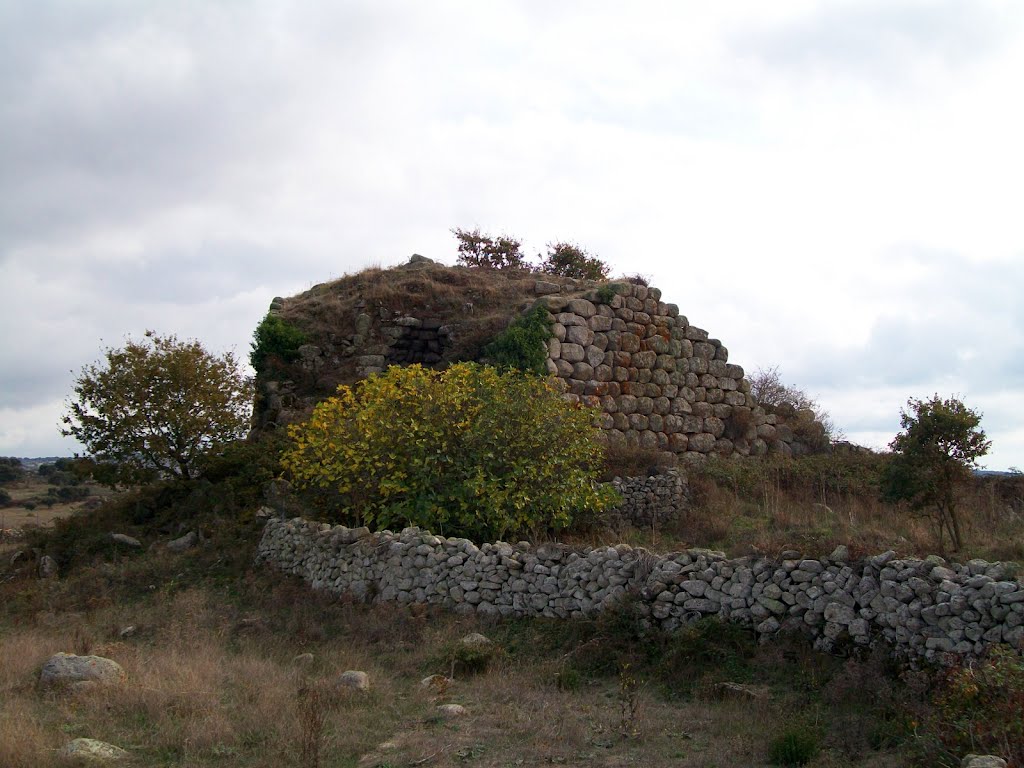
155 407
768 389
570 260
479 250
934 453
468 451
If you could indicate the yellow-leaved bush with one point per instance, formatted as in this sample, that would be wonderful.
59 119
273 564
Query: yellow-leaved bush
468 451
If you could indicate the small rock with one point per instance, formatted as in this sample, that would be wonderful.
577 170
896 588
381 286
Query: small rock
91 751
47 567
452 710
185 542
19 555
128 541
353 680
437 684
303 660
840 554
742 691
982 761
66 668
476 642
543 287
127 631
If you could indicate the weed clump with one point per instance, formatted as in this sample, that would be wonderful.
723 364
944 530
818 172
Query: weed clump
796 746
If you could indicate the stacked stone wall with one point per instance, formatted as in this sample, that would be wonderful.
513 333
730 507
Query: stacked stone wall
922 608
661 383
650 501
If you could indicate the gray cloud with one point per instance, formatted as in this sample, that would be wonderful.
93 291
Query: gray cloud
174 166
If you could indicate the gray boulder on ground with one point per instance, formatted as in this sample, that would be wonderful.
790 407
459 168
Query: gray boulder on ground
47 567
128 541
91 751
982 761
354 680
451 710
64 669
185 542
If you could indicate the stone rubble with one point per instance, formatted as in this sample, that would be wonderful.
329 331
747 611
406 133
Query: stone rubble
921 608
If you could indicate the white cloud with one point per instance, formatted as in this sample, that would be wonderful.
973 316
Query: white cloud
830 187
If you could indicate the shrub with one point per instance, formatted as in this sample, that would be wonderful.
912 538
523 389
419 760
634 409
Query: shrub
979 707
569 260
480 250
793 747
522 345
275 340
468 451
5 498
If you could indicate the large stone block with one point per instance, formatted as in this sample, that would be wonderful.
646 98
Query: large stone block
572 353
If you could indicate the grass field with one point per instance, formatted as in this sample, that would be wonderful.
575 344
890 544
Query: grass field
213 678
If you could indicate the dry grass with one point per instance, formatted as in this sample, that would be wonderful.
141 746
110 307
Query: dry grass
31 489
478 303
211 681
768 507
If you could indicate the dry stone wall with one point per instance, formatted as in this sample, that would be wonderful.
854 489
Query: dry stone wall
652 500
922 608
660 382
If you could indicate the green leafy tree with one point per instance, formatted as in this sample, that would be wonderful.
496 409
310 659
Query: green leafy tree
480 250
275 340
155 407
468 451
570 260
933 454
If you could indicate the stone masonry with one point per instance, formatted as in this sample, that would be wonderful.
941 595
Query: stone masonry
921 608
660 382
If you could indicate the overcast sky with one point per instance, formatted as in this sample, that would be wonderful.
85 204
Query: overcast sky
834 188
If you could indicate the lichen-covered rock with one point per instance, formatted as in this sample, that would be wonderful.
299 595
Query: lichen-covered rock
91 751
64 669
353 680
982 761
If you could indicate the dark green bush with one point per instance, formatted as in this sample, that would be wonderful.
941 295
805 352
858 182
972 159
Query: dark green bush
522 345
793 747
5 498
10 469
275 339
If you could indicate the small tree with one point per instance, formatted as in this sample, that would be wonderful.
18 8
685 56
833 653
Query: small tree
468 451
480 250
155 407
934 453
570 260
